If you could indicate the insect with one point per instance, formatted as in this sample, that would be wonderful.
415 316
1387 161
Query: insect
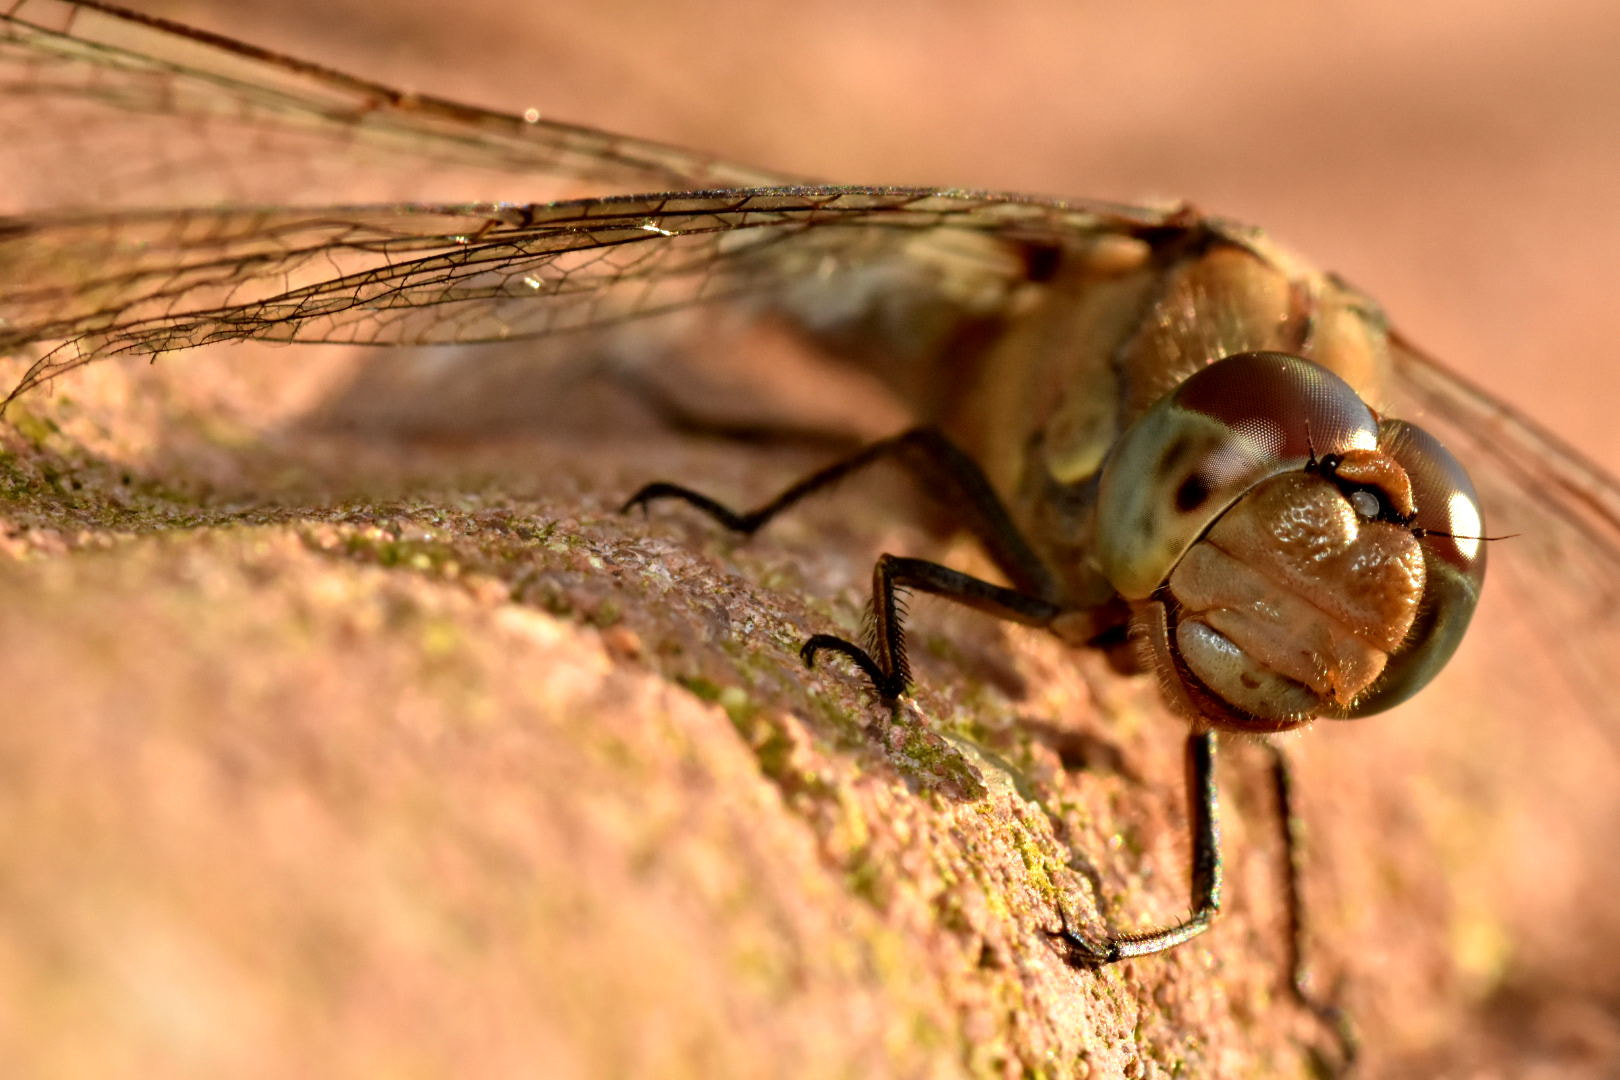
82 287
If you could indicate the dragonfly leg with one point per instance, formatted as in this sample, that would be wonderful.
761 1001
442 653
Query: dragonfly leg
1206 871
1299 973
947 471
884 657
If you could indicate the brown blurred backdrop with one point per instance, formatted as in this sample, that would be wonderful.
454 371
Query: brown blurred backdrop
1455 159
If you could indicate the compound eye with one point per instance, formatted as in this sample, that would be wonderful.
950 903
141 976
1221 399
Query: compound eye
1343 558
1449 523
1448 508
1185 461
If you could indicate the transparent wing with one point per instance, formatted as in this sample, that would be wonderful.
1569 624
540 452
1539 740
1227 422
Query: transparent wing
102 107
1523 727
75 287
1554 581
151 282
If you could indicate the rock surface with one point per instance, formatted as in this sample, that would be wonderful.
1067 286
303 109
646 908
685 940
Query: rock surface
350 752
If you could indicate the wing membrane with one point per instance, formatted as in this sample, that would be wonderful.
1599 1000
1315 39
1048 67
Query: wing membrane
151 282
1554 583
100 106
237 122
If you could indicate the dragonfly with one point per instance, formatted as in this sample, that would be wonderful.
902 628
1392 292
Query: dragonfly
904 273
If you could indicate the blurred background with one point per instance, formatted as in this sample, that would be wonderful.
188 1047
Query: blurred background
1456 160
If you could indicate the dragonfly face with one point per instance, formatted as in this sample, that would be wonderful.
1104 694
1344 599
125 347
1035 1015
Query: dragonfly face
1185 425
1132 305
1279 544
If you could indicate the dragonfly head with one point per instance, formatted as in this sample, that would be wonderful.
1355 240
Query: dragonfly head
1287 554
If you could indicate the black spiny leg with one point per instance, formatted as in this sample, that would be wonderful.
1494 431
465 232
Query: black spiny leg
1206 870
1032 602
948 472
886 663
1293 836
950 475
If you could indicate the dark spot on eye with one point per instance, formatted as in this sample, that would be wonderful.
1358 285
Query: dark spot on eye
1191 494
1249 682
1174 454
